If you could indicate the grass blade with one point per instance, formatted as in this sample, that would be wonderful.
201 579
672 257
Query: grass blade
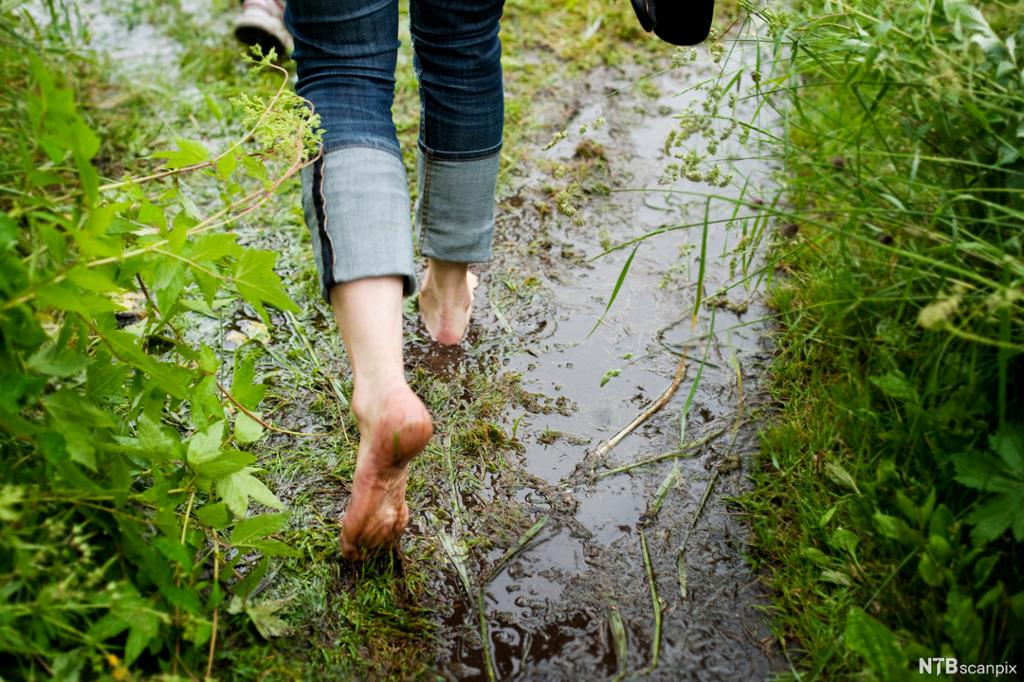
655 605
615 290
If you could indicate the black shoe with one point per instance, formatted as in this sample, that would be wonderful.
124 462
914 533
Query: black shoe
679 22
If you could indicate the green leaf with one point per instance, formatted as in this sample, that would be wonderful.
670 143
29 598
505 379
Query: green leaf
170 378
263 616
204 446
978 470
939 548
942 523
929 571
244 587
8 232
814 555
10 497
174 551
876 644
1008 443
257 528
154 441
238 488
840 476
226 462
76 420
993 517
844 540
247 429
963 625
58 361
226 165
836 577
213 247
257 282
243 387
895 385
215 516
896 528
92 279
275 548
615 289
105 379
983 568
144 626
991 596
188 153
66 296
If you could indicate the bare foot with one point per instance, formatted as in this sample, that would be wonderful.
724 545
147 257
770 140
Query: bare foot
392 432
446 301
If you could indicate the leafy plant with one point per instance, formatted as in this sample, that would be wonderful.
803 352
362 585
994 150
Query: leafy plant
1002 476
126 488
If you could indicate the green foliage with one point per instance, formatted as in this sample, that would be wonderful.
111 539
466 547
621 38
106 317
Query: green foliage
125 493
887 509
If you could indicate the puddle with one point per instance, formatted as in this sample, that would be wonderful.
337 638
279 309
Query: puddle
549 611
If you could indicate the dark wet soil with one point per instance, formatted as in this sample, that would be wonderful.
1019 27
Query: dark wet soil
550 612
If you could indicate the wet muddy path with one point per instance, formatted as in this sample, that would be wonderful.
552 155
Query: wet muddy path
624 571
578 600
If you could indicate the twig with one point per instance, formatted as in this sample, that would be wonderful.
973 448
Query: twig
216 612
270 427
681 572
655 604
672 454
606 447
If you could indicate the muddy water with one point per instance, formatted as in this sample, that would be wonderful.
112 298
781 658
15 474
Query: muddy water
550 613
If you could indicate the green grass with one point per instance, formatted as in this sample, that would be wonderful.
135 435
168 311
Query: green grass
885 509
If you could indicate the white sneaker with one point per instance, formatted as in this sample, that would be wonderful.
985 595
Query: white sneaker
261 22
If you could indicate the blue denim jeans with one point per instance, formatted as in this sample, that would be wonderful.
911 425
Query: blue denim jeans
355 198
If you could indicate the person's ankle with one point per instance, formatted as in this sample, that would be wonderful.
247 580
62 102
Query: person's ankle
370 391
447 276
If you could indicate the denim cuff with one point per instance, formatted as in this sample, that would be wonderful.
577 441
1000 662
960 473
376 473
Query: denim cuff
356 204
455 209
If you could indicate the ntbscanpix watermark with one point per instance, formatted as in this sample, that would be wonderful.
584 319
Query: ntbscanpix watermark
951 666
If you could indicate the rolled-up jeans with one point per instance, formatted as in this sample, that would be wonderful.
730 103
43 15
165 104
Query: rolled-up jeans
355 196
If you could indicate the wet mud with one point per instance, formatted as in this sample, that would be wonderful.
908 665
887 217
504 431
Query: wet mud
577 600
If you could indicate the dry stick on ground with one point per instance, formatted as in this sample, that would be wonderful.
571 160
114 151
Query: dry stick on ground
606 447
678 453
